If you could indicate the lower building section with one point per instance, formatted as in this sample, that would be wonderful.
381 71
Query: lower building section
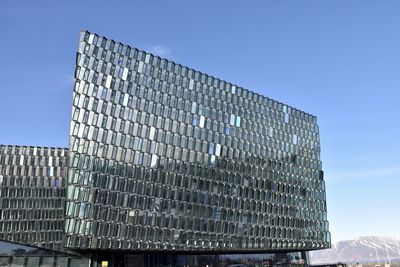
12 254
18 255
201 260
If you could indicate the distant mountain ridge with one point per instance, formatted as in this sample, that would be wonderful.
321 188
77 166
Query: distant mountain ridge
375 249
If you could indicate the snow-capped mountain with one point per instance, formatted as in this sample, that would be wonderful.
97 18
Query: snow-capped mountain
375 249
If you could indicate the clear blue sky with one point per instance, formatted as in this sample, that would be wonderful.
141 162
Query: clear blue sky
339 60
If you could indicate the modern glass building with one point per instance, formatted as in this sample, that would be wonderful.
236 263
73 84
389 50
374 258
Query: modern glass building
168 166
32 195
32 207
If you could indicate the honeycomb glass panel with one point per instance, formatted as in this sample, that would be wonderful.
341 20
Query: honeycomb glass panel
184 161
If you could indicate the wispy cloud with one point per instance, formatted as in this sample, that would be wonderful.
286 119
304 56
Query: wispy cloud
366 174
159 50
65 81
57 83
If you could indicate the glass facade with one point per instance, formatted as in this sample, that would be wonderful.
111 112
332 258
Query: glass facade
164 157
32 195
